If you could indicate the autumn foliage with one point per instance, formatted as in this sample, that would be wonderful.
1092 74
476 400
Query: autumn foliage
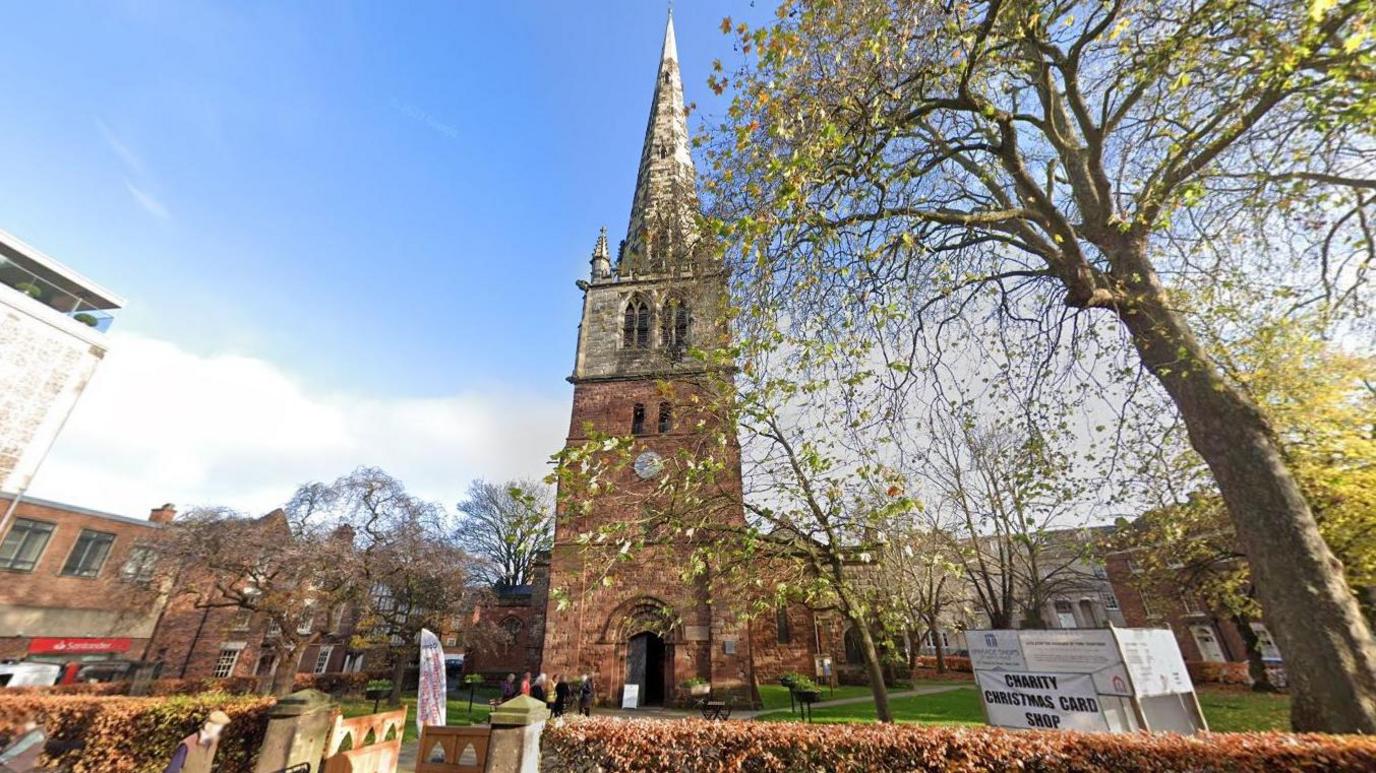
118 734
604 744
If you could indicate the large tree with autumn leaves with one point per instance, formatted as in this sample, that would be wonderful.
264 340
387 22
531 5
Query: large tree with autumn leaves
1145 177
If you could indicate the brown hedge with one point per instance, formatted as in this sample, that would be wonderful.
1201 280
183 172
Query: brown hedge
334 683
117 734
580 745
238 685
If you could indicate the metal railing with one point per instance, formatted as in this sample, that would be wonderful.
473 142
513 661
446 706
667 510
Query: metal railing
23 281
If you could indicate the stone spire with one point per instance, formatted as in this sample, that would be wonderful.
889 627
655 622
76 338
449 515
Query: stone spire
601 259
664 210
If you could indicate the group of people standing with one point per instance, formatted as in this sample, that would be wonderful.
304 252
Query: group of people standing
557 697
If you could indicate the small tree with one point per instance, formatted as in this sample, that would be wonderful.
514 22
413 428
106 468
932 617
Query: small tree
411 574
921 586
507 525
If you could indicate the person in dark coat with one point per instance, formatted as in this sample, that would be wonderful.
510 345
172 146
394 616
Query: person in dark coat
509 688
585 696
561 695
537 688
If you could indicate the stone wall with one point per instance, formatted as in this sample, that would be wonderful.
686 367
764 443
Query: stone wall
48 360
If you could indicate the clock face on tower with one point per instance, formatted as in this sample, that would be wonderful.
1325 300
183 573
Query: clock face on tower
648 465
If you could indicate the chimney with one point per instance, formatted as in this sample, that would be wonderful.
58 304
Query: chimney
164 514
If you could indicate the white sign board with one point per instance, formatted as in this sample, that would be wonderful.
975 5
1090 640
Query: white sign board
1153 659
1041 701
1075 651
1084 679
630 697
995 651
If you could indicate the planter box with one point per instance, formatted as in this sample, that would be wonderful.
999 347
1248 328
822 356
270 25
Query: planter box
699 690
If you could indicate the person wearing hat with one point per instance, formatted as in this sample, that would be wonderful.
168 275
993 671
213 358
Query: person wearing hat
197 751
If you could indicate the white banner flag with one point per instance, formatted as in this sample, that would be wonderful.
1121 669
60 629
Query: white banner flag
432 702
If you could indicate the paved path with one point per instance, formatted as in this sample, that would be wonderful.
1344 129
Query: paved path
410 749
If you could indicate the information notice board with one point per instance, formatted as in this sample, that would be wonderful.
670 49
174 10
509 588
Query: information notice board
1103 679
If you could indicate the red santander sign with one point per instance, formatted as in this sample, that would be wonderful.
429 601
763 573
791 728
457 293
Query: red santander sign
50 646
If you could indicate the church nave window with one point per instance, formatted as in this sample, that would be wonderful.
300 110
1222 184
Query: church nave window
638 419
666 417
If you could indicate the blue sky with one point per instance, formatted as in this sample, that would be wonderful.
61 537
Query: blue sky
373 201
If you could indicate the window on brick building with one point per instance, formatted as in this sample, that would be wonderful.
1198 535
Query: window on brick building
638 419
24 544
855 653
306 621
227 660
635 327
512 626
139 564
666 417
243 618
88 554
1146 607
322 660
781 626
1110 601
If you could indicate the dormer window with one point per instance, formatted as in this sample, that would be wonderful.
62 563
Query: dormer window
635 327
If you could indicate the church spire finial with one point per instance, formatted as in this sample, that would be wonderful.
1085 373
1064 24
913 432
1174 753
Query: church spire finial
665 207
601 259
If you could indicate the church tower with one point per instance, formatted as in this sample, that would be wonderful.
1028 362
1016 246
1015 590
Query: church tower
636 624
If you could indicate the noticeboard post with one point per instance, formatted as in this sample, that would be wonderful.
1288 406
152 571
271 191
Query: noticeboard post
1105 679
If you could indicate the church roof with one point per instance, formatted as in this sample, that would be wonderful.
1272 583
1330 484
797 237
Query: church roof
665 206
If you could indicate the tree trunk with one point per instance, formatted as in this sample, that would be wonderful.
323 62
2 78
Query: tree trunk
1256 667
1328 648
938 651
284 670
398 674
875 670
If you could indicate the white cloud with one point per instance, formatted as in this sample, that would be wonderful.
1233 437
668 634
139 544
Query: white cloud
127 155
145 200
158 423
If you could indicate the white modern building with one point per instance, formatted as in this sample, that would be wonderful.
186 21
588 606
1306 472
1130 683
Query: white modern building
53 323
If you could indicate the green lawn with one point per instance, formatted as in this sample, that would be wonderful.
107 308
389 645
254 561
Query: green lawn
1226 710
1235 711
775 696
456 715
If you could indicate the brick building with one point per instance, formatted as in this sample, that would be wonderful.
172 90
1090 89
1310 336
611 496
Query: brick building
1204 634
196 639
77 584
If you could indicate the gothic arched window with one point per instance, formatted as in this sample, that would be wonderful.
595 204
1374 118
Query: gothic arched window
512 626
635 327
855 651
674 322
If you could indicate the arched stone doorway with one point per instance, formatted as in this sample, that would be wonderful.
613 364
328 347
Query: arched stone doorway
645 635
648 659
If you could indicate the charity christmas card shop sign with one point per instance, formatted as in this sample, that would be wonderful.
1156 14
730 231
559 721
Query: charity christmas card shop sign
1041 701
